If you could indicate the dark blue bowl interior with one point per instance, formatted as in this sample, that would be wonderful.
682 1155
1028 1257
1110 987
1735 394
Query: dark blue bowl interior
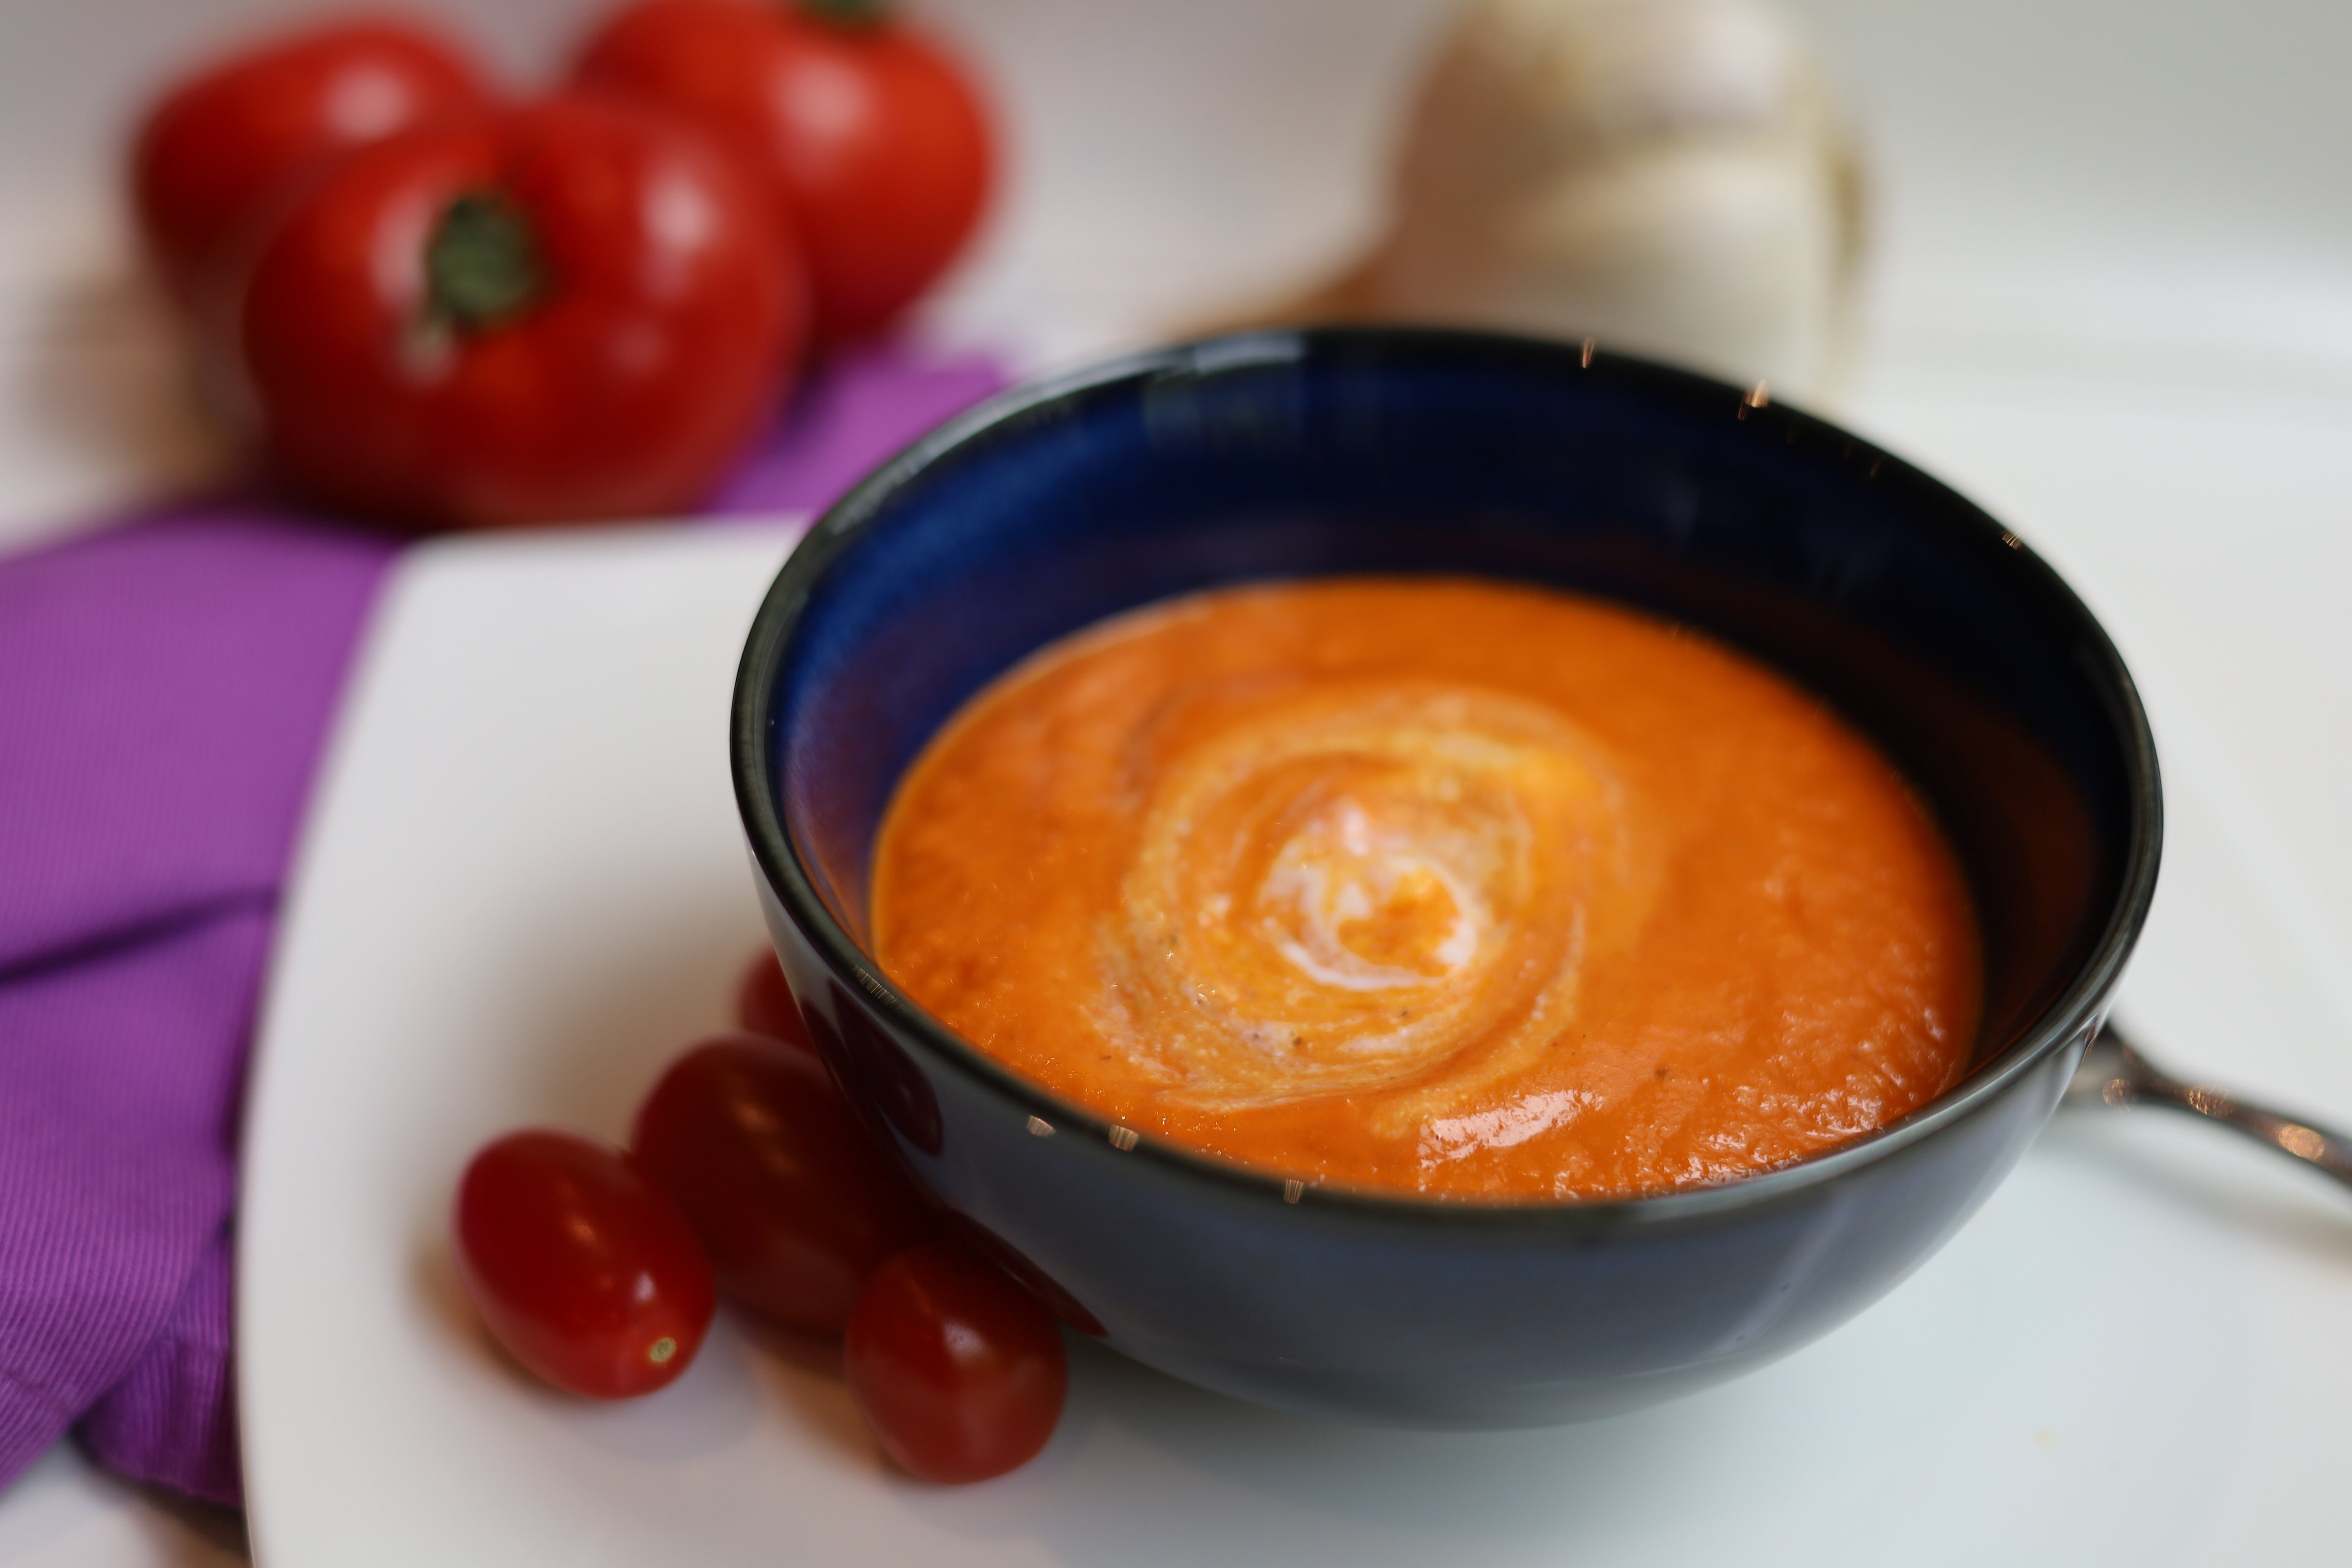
1315 454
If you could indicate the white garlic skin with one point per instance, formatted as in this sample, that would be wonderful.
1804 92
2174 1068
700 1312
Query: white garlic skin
1668 176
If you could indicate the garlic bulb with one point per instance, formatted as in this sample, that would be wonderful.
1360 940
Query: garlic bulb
1668 176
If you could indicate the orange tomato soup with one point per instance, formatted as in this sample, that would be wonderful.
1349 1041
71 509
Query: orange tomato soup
1431 885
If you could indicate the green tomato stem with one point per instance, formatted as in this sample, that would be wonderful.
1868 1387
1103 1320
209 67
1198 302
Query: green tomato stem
482 265
855 14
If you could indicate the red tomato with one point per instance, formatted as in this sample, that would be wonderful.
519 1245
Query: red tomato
959 1370
795 1204
590 1276
220 150
765 1003
572 309
870 141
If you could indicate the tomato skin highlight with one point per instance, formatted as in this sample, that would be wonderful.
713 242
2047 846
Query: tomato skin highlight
961 1372
765 1003
664 318
219 151
871 141
582 1270
796 1206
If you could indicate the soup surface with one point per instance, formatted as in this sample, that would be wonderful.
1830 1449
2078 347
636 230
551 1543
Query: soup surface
1435 885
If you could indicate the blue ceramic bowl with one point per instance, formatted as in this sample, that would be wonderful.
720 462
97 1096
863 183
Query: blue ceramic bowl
1295 455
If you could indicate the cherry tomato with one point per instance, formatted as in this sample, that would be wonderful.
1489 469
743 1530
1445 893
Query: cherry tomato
870 141
221 148
793 1201
959 1370
588 1276
571 309
765 1003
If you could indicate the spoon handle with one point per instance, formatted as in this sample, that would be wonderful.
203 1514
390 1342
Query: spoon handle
2141 1083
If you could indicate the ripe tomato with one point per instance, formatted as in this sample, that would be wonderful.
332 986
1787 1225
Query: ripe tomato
793 1201
590 1276
871 141
220 150
571 309
959 1370
765 1003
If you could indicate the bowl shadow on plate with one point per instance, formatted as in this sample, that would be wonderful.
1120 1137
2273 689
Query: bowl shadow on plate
2227 1182
802 1373
1146 1468
1135 1456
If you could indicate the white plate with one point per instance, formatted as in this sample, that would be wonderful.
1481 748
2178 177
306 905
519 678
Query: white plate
523 888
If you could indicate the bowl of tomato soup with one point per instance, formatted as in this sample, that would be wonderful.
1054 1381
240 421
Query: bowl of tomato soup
1434 878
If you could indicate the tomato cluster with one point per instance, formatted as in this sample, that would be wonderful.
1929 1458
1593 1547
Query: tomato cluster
748 1172
451 309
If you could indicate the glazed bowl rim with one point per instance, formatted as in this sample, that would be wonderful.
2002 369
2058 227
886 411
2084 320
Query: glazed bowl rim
753 766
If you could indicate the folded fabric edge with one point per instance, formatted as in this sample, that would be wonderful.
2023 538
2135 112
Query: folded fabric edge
171 1421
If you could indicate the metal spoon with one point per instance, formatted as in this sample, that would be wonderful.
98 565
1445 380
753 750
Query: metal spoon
2114 1073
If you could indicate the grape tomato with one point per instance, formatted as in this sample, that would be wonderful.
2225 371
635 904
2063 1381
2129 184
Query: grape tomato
961 1372
787 1190
582 1270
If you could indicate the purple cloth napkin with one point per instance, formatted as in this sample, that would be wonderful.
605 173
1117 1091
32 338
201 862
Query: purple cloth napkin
165 689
